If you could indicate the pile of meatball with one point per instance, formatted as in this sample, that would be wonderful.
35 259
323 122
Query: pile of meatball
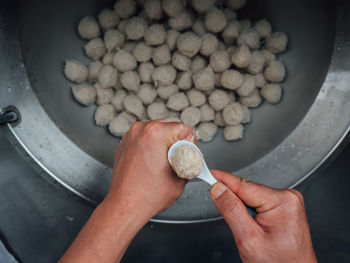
190 61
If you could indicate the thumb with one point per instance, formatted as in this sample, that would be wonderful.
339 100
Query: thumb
233 210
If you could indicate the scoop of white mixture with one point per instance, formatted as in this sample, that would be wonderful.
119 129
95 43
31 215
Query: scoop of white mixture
187 162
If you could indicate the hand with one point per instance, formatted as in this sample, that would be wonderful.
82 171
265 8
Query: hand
142 178
279 232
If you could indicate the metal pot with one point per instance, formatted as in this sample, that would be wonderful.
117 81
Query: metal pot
282 146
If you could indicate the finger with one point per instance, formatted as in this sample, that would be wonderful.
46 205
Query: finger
234 211
258 196
175 131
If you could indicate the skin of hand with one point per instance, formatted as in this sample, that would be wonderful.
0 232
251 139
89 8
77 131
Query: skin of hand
279 232
143 184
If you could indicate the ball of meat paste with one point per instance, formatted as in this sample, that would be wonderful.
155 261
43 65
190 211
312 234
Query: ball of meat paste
95 49
188 44
155 35
108 18
253 100
196 97
130 80
191 116
242 57
209 44
153 9
248 85
104 96
257 62
231 79
181 62
275 71
184 80
207 113
198 63
133 104
272 93
94 69
147 94
203 6
135 28
215 21
173 7
172 36
263 28
142 52
157 110
165 92
277 42
231 32
204 79
235 4
76 71
250 38
233 114
182 21
104 114
124 61
118 100
119 126
108 76
164 75
125 8
219 61
88 28
178 102
233 133
198 27
187 162
219 99
206 131
145 72
84 94
161 55
113 39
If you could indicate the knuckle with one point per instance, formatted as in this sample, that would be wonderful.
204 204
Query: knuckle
293 200
152 128
135 127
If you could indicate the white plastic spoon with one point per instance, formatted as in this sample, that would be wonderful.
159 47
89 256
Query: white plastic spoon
205 175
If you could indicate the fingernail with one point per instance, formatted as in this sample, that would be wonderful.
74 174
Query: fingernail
217 190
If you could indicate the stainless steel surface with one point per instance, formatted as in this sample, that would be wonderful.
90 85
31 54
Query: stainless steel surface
282 146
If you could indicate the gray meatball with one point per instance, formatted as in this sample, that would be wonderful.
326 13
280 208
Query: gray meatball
215 21
231 79
124 61
130 80
153 9
119 126
84 94
233 114
108 18
204 79
104 96
272 93
209 44
247 114
164 75
188 44
180 61
147 94
206 131
173 7
94 69
231 32
219 61
133 104
250 38
161 55
108 58
184 80
248 85
219 120
234 132
182 21
219 99
155 35
198 63
145 71
191 116
107 77
104 114
76 71
157 110
196 97
118 100
263 28
135 28
253 100
95 49
260 80
277 42
172 36
165 92
257 62
198 27
88 28
242 57
178 102
142 52
235 4
207 113
202 6
275 72
125 8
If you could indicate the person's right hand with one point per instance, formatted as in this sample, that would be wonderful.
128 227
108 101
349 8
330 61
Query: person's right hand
279 232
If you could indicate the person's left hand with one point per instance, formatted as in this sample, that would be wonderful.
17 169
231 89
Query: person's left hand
143 182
